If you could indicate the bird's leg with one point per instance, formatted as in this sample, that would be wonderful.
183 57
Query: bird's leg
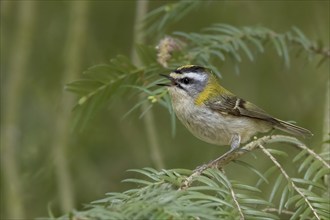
234 145
235 142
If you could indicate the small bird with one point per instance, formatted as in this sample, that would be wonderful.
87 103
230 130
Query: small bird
214 114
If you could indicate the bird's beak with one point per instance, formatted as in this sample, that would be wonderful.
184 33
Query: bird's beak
172 83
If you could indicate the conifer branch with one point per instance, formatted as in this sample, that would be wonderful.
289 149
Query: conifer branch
287 177
233 155
234 197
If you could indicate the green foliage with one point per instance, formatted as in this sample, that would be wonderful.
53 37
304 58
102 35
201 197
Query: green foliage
159 198
102 82
302 195
51 167
222 41
211 48
157 195
157 20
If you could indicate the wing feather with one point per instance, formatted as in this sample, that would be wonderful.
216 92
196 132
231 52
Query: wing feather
239 107
233 105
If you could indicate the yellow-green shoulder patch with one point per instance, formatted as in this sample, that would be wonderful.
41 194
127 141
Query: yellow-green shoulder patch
211 91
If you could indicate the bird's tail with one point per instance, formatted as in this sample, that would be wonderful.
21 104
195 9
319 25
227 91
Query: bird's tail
292 129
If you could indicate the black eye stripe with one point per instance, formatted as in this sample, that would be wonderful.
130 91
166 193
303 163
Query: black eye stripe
185 80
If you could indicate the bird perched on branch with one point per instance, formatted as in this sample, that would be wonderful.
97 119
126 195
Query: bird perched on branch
214 114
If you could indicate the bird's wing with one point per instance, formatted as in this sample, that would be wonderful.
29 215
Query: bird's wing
233 105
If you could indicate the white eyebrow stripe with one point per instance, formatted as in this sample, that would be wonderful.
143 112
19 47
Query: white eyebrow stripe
196 76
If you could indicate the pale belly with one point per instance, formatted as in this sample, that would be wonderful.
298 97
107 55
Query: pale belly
216 128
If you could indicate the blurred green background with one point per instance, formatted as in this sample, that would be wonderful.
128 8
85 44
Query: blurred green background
37 60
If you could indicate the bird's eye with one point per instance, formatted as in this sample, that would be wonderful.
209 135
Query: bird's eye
185 80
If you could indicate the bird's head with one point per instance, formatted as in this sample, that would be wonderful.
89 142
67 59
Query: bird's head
188 79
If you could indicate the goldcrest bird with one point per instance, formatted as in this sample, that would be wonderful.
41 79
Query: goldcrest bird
215 115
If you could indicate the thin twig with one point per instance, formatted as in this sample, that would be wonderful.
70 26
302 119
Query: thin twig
233 195
319 50
289 180
295 142
233 155
223 160
286 212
